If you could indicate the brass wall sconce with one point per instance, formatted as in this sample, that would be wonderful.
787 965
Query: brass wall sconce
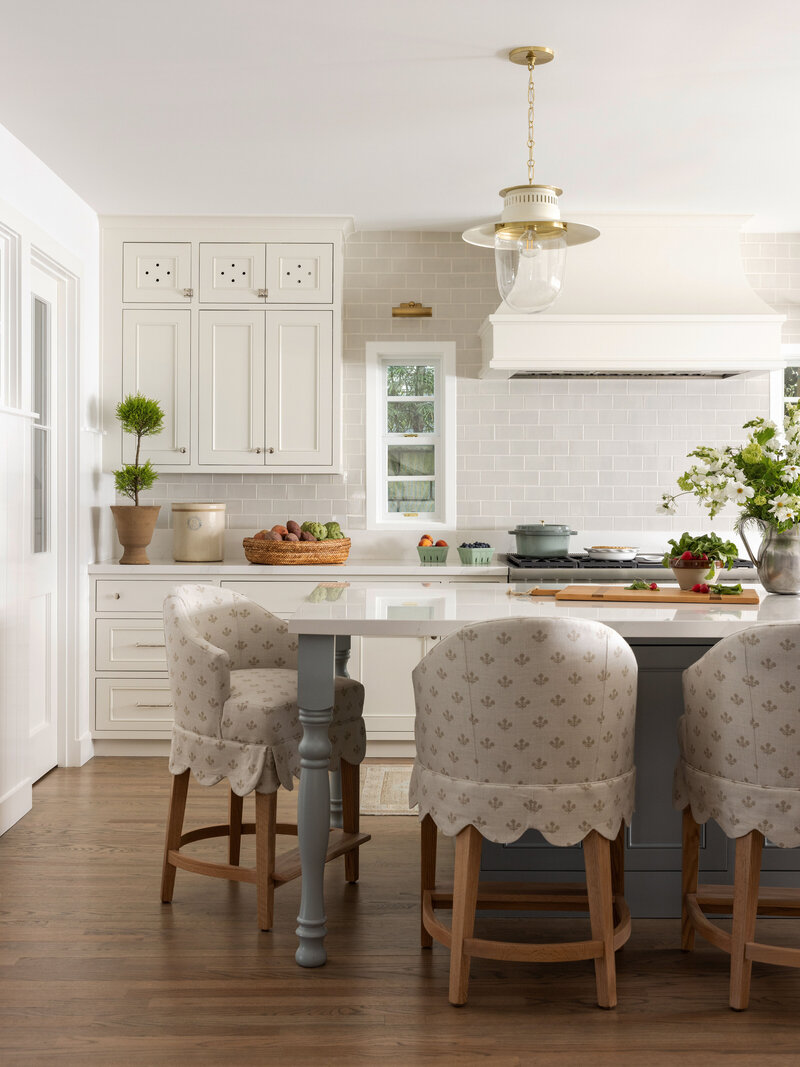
412 310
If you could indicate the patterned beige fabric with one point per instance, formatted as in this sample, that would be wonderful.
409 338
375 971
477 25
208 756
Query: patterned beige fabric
526 724
233 674
739 736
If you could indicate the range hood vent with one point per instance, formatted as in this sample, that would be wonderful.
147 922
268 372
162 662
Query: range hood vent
654 297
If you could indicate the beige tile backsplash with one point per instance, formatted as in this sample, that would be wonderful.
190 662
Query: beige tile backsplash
597 454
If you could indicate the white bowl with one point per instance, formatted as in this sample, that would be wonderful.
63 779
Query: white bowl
613 555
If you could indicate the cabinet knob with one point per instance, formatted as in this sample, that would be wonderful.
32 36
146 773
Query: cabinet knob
263 293
270 450
257 451
116 596
183 450
188 293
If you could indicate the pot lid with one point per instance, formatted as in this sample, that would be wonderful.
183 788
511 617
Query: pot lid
542 528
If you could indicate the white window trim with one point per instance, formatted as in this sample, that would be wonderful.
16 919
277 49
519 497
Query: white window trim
790 354
378 354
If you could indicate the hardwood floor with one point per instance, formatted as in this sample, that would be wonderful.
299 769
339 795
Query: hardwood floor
95 970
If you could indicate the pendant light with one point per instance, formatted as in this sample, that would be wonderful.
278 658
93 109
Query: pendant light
530 240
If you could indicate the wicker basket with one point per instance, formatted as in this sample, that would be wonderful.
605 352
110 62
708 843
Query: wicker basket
293 553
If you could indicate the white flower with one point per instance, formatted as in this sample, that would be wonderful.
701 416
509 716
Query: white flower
739 492
783 507
667 505
791 472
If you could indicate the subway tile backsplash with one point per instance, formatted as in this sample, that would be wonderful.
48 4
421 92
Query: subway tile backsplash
594 453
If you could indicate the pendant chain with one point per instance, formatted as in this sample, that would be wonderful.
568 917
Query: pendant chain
531 141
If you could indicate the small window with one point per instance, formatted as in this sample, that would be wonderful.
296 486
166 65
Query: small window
410 434
785 384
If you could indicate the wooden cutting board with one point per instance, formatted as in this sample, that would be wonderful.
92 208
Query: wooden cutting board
618 593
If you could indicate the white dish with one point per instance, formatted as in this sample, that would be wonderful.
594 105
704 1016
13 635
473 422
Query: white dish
613 555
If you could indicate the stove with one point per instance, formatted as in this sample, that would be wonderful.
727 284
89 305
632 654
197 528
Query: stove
567 568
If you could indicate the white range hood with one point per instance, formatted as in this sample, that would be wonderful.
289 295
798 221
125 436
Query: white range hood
654 296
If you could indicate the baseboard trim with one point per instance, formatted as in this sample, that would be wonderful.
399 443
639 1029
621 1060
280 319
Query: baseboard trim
145 747
15 803
391 749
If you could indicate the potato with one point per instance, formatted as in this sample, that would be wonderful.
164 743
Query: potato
270 535
306 536
261 535
281 530
293 527
291 537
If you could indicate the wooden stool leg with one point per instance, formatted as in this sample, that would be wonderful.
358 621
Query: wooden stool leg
689 867
266 811
745 907
465 896
427 856
597 857
177 808
351 802
235 804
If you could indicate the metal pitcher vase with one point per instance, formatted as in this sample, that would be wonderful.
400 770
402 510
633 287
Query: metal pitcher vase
778 559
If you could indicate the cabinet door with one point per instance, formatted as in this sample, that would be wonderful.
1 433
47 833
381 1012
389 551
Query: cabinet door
384 666
156 272
300 274
231 387
155 362
232 273
299 396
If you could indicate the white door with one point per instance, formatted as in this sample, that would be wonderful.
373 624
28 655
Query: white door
231 388
47 345
299 388
155 362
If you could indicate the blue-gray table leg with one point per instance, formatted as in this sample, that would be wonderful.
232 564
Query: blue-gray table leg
342 656
315 700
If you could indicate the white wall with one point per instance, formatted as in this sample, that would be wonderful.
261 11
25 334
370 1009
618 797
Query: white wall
38 206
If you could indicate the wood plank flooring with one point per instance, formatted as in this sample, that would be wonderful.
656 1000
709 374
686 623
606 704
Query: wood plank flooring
95 970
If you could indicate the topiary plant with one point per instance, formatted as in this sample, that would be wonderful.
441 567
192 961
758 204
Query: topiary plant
141 417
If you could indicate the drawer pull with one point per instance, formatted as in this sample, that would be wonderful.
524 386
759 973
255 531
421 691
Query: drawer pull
116 596
145 644
140 705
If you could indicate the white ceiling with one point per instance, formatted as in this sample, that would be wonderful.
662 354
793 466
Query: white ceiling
406 114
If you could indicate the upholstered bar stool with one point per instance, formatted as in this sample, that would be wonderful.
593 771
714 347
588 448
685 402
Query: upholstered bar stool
526 724
233 675
739 746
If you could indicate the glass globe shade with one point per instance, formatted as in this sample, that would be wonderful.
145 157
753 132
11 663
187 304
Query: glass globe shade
530 269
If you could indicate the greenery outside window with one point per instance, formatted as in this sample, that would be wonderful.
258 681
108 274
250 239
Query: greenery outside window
410 434
785 384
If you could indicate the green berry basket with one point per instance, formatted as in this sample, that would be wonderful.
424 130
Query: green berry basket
432 554
476 557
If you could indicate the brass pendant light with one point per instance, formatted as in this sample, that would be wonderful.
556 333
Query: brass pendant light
531 238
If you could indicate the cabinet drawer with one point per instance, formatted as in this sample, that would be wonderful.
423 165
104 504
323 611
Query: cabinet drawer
281 598
127 596
126 645
136 706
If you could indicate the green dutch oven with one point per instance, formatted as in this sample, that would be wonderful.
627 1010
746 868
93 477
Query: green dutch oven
542 539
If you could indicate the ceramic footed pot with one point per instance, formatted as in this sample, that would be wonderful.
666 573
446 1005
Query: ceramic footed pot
688 572
778 559
135 527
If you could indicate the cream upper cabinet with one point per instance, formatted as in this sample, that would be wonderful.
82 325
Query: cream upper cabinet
299 388
156 272
156 363
231 388
232 273
299 274
265 388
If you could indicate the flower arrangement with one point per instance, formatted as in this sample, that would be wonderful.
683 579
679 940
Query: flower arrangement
762 477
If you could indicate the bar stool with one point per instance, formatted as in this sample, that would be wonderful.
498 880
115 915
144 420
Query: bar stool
738 765
526 724
233 675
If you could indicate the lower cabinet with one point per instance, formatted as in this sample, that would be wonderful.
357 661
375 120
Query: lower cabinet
653 840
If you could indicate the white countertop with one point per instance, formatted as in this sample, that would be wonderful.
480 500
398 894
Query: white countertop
342 571
414 610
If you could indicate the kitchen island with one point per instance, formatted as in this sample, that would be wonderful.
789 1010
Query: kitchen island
665 639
